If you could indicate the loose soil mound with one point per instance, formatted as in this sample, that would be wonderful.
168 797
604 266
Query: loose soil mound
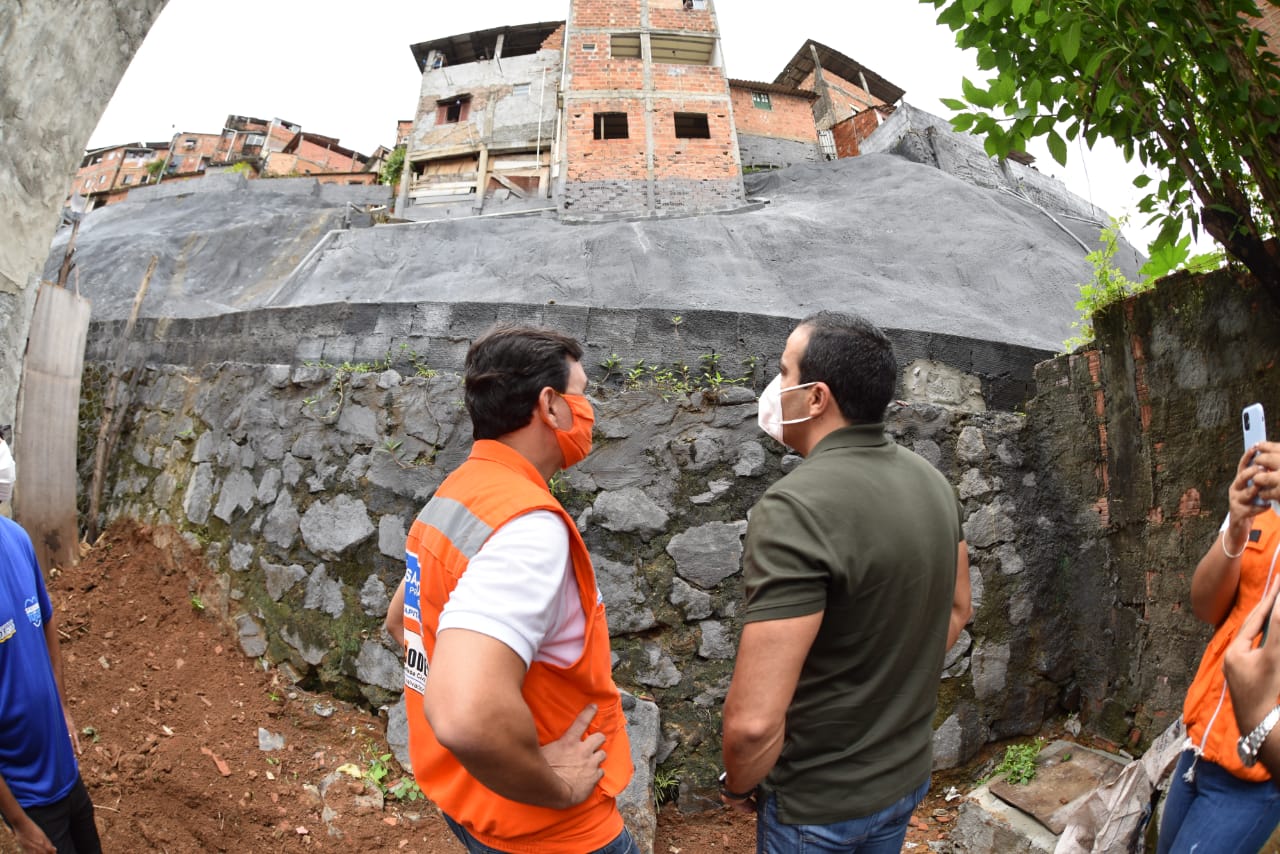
169 712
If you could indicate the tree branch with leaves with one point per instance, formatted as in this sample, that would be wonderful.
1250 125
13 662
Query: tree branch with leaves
1188 87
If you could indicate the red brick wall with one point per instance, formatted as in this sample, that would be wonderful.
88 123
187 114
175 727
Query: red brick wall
673 157
594 70
846 98
605 159
188 159
605 13
98 176
326 159
671 15
555 41
791 116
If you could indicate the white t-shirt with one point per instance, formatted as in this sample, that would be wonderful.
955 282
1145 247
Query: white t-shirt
520 589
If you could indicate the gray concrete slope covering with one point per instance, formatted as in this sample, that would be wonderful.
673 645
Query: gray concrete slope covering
907 245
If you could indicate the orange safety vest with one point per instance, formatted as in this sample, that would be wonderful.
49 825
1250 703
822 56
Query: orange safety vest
493 486
1210 686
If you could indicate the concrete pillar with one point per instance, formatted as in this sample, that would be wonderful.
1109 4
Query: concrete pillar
54 94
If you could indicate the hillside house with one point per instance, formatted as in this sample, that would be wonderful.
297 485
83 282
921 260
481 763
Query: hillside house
622 109
105 171
272 147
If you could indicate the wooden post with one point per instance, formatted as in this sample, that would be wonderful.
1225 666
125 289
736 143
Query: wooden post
110 421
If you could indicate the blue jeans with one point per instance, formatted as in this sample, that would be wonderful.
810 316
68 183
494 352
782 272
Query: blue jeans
879 833
621 844
1216 813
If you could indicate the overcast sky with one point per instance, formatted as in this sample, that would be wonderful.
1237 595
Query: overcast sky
345 69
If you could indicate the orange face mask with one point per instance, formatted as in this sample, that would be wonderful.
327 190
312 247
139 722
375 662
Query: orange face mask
575 443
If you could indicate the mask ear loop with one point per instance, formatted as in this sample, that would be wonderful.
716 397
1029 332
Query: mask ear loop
1190 775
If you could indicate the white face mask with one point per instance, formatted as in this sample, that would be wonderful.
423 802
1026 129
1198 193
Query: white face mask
770 417
8 472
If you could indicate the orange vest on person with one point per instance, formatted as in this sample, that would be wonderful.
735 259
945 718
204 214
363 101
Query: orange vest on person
1210 686
493 486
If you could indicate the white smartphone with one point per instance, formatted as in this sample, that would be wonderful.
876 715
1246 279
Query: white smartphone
1254 423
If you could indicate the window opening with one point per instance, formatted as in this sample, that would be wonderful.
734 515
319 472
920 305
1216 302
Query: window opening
520 90
625 45
453 110
761 100
589 46
692 126
610 126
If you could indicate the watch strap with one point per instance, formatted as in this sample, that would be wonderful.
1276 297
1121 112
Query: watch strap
733 796
1252 743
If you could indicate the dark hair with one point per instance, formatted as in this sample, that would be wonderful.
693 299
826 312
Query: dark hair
507 367
855 359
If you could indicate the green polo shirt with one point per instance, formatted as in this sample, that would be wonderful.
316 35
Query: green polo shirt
866 532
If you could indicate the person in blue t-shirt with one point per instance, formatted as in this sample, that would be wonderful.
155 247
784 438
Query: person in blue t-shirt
42 797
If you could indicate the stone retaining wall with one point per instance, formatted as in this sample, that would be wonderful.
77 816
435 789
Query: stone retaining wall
438 334
299 484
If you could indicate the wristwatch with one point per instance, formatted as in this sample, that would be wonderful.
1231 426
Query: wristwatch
734 796
1248 745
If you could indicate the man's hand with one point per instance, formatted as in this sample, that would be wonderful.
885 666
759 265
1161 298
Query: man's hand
1253 675
1241 493
1267 480
31 839
576 760
746 806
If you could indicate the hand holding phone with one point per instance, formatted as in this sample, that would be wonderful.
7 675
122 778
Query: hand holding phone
1254 423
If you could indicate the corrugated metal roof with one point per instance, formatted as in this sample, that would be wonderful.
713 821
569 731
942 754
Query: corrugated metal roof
470 47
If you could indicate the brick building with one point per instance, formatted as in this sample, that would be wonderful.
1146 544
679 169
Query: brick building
486 117
852 100
648 121
272 147
775 125
105 174
623 109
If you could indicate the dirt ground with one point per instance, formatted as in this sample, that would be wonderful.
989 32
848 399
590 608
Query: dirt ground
169 714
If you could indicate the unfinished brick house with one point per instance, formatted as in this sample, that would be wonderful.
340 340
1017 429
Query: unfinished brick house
486 117
851 101
624 108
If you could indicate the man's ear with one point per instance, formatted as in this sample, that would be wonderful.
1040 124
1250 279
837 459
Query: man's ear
821 401
546 401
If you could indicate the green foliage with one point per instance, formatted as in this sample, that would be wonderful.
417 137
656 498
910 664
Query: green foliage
1185 86
1108 285
154 167
379 774
244 167
1019 763
666 785
392 169
197 604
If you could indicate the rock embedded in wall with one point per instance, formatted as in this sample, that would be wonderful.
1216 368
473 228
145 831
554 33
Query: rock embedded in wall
331 527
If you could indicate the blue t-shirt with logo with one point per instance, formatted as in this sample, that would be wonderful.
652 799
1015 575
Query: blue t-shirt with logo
36 758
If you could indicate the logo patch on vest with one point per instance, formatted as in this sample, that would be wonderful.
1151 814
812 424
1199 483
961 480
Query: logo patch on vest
415 663
32 606
7 631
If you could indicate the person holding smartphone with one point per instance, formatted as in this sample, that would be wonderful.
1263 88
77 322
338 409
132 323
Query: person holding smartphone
1253 671
1221 798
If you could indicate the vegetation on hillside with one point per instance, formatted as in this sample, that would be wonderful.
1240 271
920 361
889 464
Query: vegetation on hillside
1185 86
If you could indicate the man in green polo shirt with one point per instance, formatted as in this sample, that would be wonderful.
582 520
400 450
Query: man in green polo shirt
857 583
